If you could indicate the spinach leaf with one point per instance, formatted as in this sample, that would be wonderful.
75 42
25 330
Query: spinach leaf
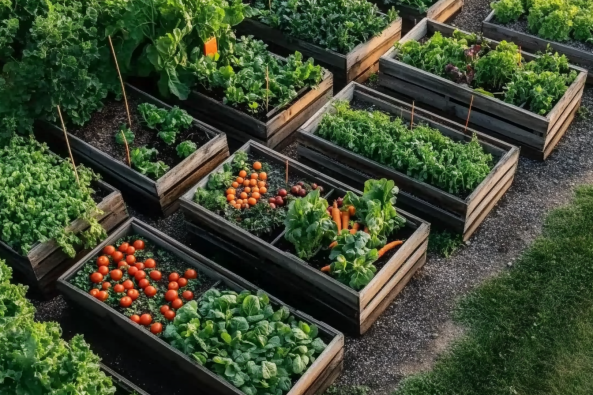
353 259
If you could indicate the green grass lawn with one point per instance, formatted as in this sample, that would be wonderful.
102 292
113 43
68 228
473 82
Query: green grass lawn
530 330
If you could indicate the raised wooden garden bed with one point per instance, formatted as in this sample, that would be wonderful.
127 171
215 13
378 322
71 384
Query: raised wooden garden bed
536 134
356 65
315 380
123 386
280 123
162 194
45 262
429 202
354 311
441 11
531 43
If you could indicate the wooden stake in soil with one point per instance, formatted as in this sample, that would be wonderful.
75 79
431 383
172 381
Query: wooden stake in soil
469 113
123 89
267 87
127 148
286 171
68 144
412 118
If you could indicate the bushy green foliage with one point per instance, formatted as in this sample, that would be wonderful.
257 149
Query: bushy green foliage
353 259
498 66
508 10
33 357
40 198
143 160
338 25
421 5
243 339
422 152
168 122
186 148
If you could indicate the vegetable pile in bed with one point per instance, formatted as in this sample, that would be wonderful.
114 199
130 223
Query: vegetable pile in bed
423 153
40 197
34 359
501 72
338 25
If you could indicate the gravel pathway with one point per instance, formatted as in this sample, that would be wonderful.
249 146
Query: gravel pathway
417 326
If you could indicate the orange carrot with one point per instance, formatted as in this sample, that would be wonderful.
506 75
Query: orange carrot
366 230
345 220
354 228
389 246
351 210
336 216
333 244
326 269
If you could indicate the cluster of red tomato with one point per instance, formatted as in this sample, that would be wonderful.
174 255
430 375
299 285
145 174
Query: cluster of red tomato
136 271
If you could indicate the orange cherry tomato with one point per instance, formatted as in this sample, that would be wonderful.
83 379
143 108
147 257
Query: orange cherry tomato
164 309
123 247
239 202
131 250
150 291
117 256
102 261
150 263
247 190
230 191
252 201
130 259
255 189
103 270
108 250
246 183
254 176
135 318
139 244
263 176
132 271
118 288
169 314
261 184
133 293
128 284
106 286
238 206
171 295
102 296
96 277
263 190
174 276
239 180
182 282
230 198
257 166
243 173
244 195
190 274
255 195
116 274
177 303
143 283
126 301
145 319
94 292
235 184
156 328
253 182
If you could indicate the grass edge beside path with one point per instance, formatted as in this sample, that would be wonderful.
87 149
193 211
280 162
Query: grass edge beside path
529 330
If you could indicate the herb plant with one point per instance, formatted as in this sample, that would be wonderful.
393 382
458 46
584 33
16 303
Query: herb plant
142 159
422 152
469 59
243 339
41 197
338 25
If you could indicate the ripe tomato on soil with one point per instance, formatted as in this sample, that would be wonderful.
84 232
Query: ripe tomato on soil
156 328
132 270
174 276
156 275
131 250
130 259
94 292
150 291
174 285
188 295
177 303
118 288
190 274
126 301
182 282
133 293
145 319
169 314
108 250
143 283
116 274
106 285
171 295
135 318
139 245
150 263
96 277
164 309
128 284
140 274
103 270
102 296
102 261
123 247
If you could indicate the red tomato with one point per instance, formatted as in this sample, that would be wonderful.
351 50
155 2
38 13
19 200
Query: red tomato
131 250
106 286
121 264
133 293
174 285
169 314
145 319
94 292
126 301
135 318
132 271
190 274
156 328
156 275
182 282
164 309
128 284
150 291
118 288
139 245
130 259
143 283
188 295
96 277
116 274
140 274
139 265
117 256
177 303
108 250
102 296
173 276
103 270
150 263
171 295
123 247
102 261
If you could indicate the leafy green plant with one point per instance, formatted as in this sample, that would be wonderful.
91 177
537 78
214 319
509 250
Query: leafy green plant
444 242
353 259
422 153
308 225
152 115
376 209
243 339
186 148
338 25
497 68
41 197
508 10
142 160
168 123
124 135
420 5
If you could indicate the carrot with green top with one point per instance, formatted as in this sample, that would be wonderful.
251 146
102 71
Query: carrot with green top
389 246
345 219
326 269
336 216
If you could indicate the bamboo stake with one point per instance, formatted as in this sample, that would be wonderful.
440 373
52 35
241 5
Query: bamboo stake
123 89
412 119
267 87
469 113
68 144
127 147
286 171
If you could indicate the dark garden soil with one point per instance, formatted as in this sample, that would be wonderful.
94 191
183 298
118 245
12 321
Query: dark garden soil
101 129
